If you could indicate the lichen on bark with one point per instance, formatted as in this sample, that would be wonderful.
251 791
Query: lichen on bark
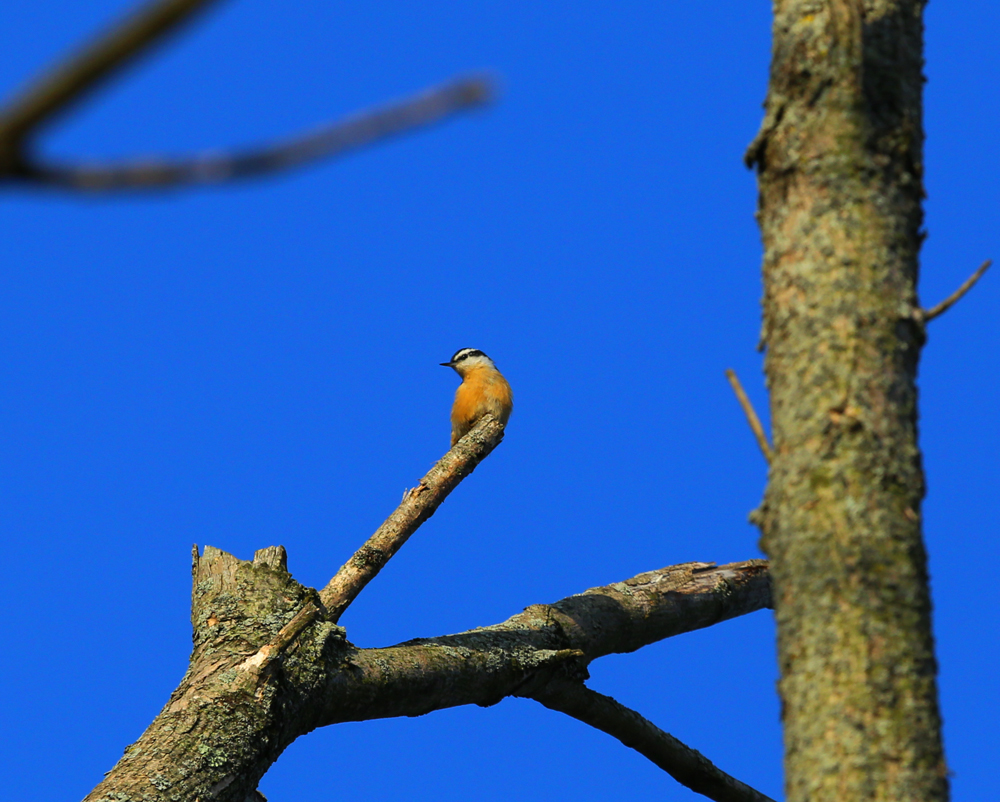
839 160
245 696
269 666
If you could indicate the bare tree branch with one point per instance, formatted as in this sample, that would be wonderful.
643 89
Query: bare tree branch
686 765
521 654
417 506
265 669
356 131
67 82
956 296
750 412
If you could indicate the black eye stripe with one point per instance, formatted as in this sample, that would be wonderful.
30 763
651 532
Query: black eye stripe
459 355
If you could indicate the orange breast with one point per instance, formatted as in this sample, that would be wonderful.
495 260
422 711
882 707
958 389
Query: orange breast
482 392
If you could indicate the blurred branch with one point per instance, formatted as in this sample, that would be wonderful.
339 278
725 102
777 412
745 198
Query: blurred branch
417 506
60 87
54 91
956 296
356 131
686 765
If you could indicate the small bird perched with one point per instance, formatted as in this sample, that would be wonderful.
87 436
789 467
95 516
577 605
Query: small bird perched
483 391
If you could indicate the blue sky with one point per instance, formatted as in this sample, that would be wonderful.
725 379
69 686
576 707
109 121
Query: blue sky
257 364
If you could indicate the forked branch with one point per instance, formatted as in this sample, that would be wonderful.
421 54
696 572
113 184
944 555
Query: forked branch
267 667
66 83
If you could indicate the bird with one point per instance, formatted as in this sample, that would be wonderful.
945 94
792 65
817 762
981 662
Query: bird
483 391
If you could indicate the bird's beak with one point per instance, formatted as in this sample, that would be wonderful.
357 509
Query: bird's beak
445 364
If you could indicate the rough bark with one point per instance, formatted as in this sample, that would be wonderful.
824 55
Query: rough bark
268 666
840 176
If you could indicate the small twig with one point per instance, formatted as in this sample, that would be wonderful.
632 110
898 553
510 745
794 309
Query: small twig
956 296
689 767
417 506
54 91
752 419
358 130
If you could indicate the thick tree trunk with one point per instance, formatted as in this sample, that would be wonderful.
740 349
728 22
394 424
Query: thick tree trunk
840 161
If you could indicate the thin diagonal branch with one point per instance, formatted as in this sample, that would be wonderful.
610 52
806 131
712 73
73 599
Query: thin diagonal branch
752 419
686 765
417 506
956 296
356 131
54 91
